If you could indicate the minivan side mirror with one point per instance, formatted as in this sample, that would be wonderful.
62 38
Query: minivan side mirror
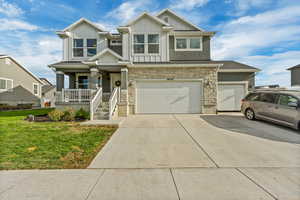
293 104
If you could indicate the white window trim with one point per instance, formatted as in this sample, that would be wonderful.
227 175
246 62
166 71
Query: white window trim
146 43
115 44
188 44
7 79
38 90
91 47
85 47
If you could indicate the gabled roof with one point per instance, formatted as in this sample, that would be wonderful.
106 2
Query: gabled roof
297 66
107 50
46 81
47 88
179 17
81 20
19 94
151 17
26 70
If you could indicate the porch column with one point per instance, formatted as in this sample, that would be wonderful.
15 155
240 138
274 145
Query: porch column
60 80
72 81
93 78
123 104
124 78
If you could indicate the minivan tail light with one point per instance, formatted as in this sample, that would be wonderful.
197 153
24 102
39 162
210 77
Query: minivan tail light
243 100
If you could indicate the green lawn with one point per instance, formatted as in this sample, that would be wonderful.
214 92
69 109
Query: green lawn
47 145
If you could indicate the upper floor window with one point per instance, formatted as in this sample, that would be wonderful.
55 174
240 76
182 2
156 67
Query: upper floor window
91 47
140 46
78 47
153 43
5 84
84 47
139 43
188 44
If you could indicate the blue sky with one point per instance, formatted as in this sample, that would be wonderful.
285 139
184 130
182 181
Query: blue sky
261 33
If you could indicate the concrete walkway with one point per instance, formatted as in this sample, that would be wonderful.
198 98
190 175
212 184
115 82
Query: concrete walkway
178 157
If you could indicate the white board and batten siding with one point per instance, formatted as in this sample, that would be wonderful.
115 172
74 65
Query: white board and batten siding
145 25
230 95
82 31
167 97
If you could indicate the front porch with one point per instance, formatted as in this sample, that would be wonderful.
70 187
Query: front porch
95 90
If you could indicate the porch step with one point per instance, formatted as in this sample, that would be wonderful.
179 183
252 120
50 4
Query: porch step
104 107
105 97
103 111
101 115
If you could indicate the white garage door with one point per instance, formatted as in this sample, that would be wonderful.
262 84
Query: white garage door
230 96
168 97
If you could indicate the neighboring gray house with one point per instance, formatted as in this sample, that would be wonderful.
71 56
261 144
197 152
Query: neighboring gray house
48 93
162 64
17 84
295 75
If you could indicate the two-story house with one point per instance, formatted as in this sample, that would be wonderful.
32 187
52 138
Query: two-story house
161 63
17 84
295 75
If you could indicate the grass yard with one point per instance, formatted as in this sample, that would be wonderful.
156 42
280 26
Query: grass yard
47 145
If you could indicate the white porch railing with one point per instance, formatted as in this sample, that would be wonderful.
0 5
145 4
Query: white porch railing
74 95
95 102
113 100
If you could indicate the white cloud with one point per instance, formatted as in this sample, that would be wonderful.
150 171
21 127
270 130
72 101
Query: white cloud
274 66
188 4
9 9
16 24
107 26
35 53
248 34
243 6
128 10
270 32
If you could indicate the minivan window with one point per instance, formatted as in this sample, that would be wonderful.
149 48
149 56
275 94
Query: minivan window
253 97
268 97
286 99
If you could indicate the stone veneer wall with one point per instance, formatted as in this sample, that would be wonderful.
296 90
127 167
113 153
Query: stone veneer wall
208 74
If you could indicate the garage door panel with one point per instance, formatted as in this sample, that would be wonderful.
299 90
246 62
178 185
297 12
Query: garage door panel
230 96
168 97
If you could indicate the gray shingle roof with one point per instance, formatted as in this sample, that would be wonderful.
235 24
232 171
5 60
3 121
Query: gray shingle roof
18 94
227 64
46 88
297 66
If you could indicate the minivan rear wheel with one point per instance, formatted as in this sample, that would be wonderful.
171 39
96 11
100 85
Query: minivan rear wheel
250 114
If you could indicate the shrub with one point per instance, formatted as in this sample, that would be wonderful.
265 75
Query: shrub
69 114
82 114
55 115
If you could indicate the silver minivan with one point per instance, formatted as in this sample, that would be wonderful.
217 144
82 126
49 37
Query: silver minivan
282 107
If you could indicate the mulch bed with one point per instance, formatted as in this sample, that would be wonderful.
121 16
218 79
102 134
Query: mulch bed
45 118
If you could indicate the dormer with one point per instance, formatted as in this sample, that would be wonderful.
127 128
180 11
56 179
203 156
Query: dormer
82 40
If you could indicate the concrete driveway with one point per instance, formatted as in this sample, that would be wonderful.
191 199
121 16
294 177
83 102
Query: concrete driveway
180 157
180 141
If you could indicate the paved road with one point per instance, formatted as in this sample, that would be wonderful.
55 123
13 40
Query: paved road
186 157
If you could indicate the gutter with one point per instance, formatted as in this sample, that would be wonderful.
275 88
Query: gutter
172 65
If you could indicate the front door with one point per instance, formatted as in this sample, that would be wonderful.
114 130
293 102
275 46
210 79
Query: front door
83 82
115 80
